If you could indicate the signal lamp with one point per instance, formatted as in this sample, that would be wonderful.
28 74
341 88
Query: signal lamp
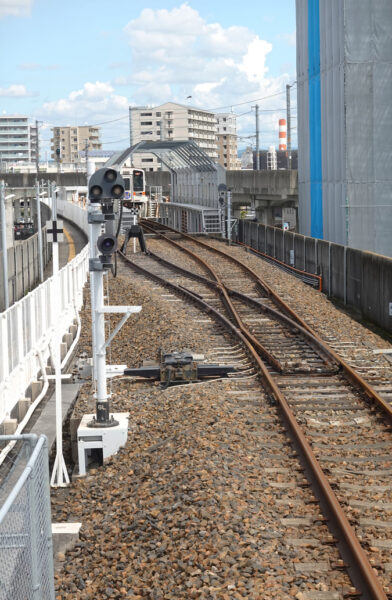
117 191
107 244
96 191
111 175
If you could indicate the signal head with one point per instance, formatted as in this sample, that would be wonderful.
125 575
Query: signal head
107 244
106 184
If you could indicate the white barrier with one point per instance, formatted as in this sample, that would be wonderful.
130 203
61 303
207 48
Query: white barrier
27 328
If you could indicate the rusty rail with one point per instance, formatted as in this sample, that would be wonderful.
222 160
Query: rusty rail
364 576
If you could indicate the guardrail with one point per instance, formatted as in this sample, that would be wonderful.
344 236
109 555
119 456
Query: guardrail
26 553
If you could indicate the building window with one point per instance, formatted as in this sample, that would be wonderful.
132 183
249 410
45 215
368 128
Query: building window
147 160
146 123
146 132
146 114
158 114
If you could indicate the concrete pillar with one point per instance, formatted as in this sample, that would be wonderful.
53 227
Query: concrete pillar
63 350
68 339
23 407
36 387
9 426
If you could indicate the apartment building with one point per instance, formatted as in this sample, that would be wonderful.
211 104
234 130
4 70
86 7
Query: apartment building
18 139
175 122
227 141
68 142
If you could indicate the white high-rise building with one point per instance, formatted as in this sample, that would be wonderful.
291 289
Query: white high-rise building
174 122
227 140
272 161
18 139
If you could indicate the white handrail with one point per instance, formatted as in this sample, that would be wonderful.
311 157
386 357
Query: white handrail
28 327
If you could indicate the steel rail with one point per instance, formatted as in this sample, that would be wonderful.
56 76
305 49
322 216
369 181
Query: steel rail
258 304
226 292
363 576
229 306
354 377
288 268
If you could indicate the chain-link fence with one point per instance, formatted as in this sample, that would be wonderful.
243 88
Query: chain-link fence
26 555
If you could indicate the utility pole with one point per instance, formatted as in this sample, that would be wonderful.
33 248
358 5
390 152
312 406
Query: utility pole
130 127
288 115
257 138
86 157
37 147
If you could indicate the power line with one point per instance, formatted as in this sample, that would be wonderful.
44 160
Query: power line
248 102
115 141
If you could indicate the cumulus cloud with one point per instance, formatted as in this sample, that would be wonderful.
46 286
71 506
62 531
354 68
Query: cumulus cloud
176 53
15 8
15 91
97 99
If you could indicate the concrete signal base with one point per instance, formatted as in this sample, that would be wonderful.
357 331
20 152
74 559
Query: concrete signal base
107 440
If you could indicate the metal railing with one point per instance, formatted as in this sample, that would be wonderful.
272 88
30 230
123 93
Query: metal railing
26 553
28 328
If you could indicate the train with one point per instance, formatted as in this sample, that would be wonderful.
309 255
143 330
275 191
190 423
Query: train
135 199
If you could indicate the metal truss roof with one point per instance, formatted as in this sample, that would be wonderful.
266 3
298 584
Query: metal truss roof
177 156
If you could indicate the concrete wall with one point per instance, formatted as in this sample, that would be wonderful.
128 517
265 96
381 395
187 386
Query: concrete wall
23 264
29 179
362 280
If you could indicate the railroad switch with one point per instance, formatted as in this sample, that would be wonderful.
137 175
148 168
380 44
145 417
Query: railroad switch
179 367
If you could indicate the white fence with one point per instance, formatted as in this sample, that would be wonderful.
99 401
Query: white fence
28 328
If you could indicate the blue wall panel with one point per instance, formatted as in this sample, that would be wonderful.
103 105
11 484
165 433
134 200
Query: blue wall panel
316 191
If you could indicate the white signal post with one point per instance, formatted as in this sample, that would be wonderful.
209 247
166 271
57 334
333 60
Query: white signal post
60 476
103 431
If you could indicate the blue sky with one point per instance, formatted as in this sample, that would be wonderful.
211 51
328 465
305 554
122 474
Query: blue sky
85 62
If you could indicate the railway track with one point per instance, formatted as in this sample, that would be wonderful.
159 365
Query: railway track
339 425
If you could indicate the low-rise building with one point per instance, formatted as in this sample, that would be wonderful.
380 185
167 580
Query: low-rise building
68 142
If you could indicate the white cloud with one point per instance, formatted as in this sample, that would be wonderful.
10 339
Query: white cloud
94 102
15 8
15 91
176 53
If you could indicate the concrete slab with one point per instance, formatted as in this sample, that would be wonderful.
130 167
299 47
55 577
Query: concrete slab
46 422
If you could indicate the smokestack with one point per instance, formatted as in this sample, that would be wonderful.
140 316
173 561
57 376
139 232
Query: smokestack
282 134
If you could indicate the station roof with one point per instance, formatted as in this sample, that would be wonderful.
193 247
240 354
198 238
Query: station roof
175 155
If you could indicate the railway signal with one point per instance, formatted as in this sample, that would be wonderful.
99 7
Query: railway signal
103 431
106 185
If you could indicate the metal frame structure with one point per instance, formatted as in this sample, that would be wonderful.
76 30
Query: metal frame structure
194 181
